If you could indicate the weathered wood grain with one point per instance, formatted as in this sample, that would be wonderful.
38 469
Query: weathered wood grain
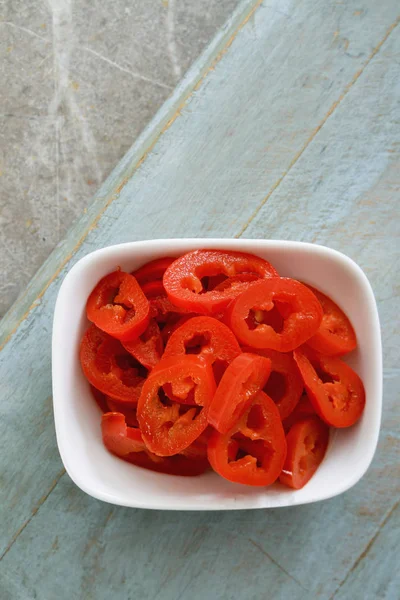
301 111
376 574
157 555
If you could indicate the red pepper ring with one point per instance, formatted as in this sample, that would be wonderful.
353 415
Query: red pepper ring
108 404
303 410
160 306
237 281
118 438
153 289
148 347
153 270
335 336
169 427
109 367
118 306
172 323
207 337
242 381
129 411
183 278
198 449
203 336
335 390
253 451
300 309
179 464
307 442
285 384
100 399
127 443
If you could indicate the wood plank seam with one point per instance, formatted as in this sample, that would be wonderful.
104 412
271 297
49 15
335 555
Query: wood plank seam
277 564
366 550
320 126
122 184
33 514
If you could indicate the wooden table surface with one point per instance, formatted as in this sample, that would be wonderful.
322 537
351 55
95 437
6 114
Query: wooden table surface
287 127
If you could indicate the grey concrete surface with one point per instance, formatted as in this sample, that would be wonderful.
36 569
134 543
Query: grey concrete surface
79 80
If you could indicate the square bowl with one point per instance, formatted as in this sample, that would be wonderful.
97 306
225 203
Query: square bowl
77 417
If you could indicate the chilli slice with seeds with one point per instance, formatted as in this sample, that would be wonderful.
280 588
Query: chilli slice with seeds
210 359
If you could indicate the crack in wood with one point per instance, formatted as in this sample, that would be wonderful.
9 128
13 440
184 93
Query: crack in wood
366 550
277 564
319 127
34 512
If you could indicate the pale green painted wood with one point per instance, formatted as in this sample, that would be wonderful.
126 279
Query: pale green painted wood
377 573
149 554
247 134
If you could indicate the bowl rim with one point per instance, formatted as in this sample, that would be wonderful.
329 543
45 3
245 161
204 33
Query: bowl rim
180 245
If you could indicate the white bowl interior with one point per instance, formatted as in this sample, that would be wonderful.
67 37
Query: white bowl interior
77 417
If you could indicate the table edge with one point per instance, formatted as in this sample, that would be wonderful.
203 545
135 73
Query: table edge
125 169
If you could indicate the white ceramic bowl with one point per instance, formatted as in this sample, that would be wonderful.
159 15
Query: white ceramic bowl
77 417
